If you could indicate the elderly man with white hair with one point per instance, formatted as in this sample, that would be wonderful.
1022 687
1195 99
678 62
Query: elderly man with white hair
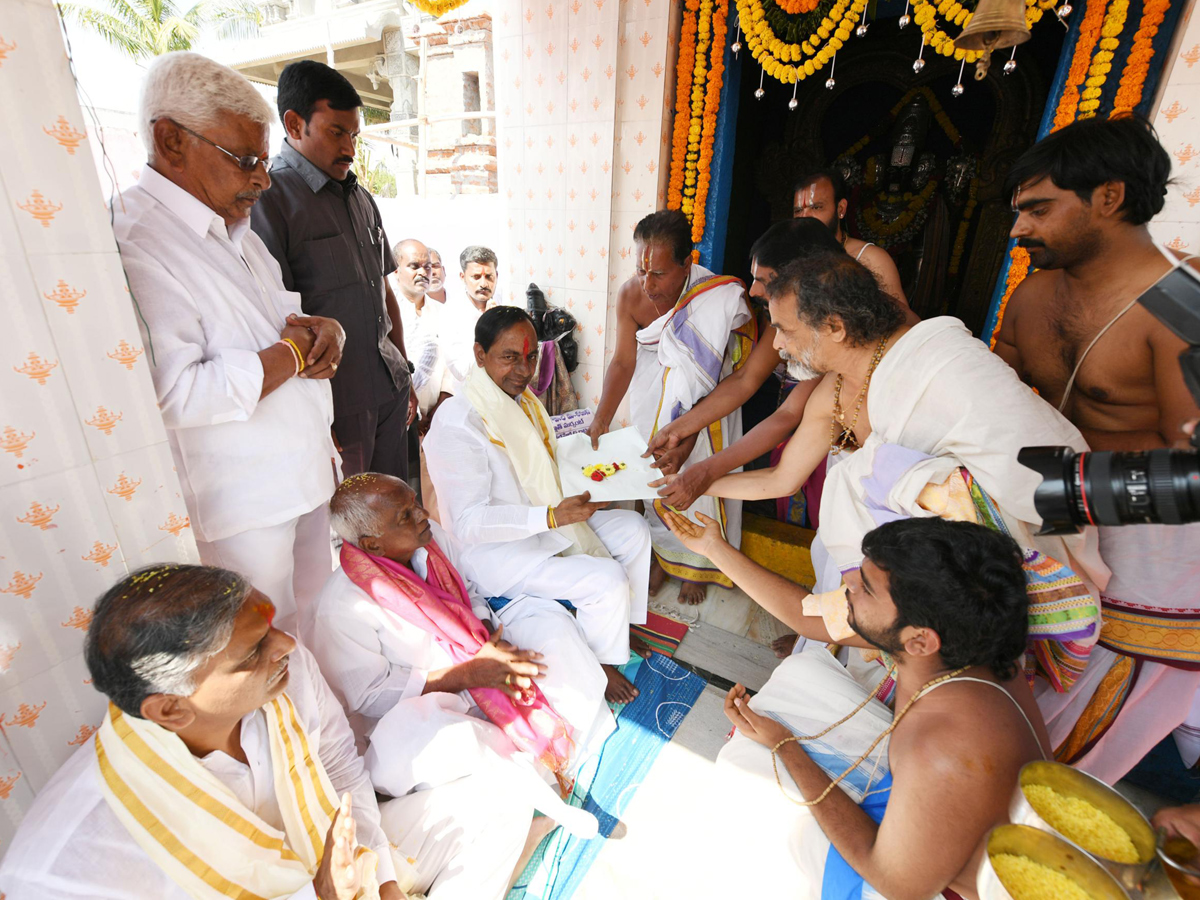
239 372
420 662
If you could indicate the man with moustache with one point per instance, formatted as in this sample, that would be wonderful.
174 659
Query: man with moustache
421 316
240 374
1074 330
492 454
478 273
920 421
224 767
326 232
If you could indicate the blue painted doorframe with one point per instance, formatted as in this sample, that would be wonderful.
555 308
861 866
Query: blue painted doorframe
716 207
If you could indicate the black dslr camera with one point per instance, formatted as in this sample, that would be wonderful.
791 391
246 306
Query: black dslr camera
1130 488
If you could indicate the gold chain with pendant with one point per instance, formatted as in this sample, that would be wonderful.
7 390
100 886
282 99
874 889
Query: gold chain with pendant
841 435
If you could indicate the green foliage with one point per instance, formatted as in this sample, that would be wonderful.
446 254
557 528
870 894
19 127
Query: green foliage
142 29
374 177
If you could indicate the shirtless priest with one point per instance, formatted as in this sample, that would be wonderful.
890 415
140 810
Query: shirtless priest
1074 330
403 642
491 453
875 804
680 330
184 792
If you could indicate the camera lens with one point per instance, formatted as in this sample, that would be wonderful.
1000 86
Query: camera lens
1108 488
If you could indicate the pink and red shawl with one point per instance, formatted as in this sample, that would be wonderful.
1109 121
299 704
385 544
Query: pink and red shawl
442 607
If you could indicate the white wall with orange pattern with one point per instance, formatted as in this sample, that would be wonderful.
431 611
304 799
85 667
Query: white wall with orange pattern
1177 121
87 485
583 92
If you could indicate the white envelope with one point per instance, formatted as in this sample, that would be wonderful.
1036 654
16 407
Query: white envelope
575 452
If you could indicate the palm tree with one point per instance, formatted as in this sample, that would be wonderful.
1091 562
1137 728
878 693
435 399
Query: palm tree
142 29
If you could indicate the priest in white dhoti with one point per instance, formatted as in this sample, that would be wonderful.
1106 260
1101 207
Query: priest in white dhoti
680 330
840 796
225 767
491 453
403 643
239 371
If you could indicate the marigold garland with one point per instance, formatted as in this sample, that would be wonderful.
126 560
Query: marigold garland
699 78
797 7
1085 43
916 204
790 62
708 131
684 74
1137 64
1110 33
1018 268
696 107
964 225
437 8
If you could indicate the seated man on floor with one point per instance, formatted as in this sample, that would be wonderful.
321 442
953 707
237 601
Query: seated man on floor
839 795
680 330
403 643
218 769
491 454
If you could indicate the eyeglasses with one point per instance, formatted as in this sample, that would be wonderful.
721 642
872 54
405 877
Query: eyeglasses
245 163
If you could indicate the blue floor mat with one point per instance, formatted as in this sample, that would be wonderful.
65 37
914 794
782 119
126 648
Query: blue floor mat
667 693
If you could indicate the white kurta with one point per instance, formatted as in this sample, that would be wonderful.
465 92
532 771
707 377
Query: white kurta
422 341
374 659
210 298
680 358
458 336
71 845
504 546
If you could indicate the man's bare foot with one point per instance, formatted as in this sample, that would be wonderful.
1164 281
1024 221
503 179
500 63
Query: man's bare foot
542 826
658 577
638 646
691 594
783 646
619 689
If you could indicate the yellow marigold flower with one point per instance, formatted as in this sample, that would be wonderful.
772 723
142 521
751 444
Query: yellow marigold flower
809 68
1103 56
1109 43
1091 93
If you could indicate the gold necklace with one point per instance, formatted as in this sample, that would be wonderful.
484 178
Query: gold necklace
895 721
844 438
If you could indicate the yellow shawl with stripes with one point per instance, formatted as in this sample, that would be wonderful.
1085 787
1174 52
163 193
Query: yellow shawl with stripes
523 430
196 829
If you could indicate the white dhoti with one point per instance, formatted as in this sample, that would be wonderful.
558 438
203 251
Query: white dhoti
607 594
681 357
289 562
807 693
1136 689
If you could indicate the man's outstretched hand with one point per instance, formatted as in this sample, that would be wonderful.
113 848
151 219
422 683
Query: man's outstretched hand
576 509
684 489
700 537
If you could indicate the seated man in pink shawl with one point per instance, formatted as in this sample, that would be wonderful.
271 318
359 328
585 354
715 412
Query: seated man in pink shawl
433 691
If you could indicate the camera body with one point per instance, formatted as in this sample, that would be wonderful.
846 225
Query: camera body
1125 488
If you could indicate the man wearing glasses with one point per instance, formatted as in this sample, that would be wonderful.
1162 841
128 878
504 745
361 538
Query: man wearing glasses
325 231
240 372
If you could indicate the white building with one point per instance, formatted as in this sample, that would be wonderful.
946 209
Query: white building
427 83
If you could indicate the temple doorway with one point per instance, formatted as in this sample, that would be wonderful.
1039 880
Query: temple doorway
925 168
